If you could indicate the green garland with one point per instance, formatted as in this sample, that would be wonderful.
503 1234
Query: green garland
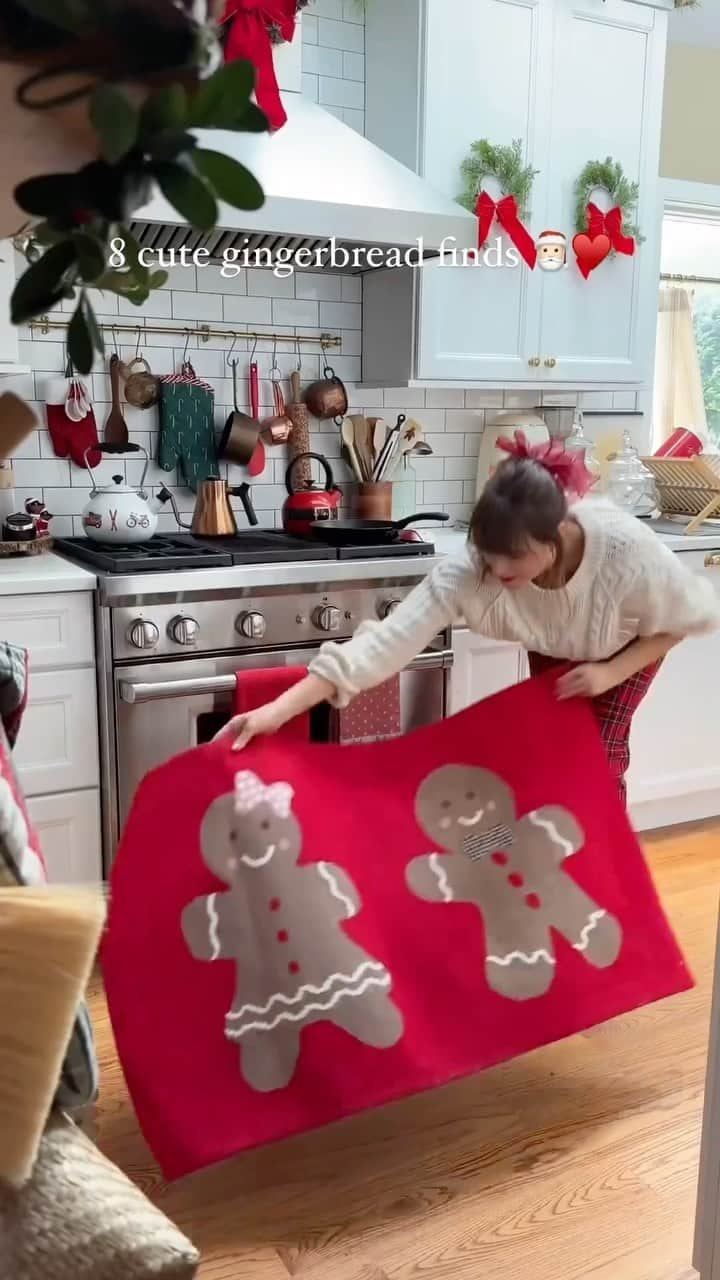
608 176
505 164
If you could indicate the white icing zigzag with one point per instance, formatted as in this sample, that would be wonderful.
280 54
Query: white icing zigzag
441 876
335 890
553 833
523 956
592 923
286 1016
213 923
310 989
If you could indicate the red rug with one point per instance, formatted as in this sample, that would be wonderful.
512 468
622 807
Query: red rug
300 932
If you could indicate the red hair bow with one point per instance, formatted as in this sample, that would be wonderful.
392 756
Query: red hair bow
566 466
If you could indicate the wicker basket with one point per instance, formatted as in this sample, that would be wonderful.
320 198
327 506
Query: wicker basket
687 487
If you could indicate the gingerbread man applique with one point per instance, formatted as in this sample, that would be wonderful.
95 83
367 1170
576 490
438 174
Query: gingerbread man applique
514 873
280 923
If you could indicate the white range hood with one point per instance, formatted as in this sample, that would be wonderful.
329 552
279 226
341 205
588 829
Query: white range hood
324 183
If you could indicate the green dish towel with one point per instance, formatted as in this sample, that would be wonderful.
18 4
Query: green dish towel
187 427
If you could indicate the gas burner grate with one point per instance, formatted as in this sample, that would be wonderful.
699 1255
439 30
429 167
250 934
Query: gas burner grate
386 551
165 551
265 546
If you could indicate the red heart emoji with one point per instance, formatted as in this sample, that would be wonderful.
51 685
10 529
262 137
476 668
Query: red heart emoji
590 252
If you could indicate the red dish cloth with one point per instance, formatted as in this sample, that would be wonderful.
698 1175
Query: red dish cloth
318 929
373 716
254 688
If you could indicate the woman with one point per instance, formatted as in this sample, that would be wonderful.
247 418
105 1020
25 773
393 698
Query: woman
574 582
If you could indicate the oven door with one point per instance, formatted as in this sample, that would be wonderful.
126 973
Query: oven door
165 708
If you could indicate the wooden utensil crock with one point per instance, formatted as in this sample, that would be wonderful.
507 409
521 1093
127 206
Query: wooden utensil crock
373 501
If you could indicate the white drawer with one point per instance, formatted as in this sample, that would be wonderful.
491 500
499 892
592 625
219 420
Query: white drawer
57 748
68 827
56 629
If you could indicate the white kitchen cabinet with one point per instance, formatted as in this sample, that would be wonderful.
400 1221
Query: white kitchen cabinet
68 826
57 749
675 760
575 80
481 668
9 344
56 629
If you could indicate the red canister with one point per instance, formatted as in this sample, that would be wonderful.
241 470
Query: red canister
683 443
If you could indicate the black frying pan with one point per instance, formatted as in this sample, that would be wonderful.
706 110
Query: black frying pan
366 533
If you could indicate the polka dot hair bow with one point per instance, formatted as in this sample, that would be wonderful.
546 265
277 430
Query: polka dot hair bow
251 791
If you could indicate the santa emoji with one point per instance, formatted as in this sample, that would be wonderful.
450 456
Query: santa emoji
551 250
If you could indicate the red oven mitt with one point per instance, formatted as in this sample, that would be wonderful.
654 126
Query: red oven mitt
319 929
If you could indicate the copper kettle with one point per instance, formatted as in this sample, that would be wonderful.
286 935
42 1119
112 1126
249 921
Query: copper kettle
213 516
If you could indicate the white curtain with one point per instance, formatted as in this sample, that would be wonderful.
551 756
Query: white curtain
678 398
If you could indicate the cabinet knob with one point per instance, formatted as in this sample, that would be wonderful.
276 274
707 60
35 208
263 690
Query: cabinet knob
713 560
550 362
534 362
184 631
251 626
142 634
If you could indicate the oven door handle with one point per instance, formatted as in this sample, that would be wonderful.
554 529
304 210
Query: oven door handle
131 691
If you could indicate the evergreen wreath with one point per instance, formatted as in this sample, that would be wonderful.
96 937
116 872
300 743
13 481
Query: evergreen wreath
607 175
503 163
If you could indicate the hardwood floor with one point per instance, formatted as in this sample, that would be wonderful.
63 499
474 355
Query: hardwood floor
577 1161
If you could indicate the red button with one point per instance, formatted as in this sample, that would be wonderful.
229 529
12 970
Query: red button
533 901
516 880
500 859
275 904
293 967
283 935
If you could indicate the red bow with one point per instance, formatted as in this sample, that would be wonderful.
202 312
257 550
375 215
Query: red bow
610 225
249 38
566 466
507 215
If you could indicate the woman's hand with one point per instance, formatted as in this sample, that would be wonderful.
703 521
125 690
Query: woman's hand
590 680
253 724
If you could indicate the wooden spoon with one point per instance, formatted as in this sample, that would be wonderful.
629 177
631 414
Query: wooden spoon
348 437
363 448
116 431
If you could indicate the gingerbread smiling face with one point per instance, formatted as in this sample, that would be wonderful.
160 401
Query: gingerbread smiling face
468 810
250 829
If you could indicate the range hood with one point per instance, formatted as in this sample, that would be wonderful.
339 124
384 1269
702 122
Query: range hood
326 186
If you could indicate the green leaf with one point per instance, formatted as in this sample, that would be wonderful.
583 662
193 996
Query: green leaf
140 273
80 343
71 15
231 181
49 195
90 255
253 120
115 119
42 286
170 143
222 99
187 193
158 279
96 335
165 109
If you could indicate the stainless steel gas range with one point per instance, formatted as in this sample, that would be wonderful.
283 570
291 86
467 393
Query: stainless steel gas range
176 620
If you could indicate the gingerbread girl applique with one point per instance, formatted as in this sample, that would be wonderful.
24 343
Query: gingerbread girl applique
281 925
514 873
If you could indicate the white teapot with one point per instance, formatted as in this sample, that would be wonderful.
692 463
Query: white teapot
118 512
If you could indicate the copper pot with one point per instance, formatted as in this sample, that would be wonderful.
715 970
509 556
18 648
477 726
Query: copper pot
328 397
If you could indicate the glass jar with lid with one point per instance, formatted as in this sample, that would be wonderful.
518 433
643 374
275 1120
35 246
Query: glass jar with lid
629 484
578 442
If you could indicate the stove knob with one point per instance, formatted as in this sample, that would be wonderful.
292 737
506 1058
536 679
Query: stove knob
327 618
184 631
142 634
251 626
387 607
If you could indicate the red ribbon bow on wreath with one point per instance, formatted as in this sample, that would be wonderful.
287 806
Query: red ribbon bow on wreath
506 211
610 225
249 38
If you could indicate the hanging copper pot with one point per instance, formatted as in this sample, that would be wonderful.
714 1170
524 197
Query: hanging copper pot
328 397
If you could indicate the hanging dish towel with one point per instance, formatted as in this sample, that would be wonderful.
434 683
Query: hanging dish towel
254 689
317 929
187 427
373 716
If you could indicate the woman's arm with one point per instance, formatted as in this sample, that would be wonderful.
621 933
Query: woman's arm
595 678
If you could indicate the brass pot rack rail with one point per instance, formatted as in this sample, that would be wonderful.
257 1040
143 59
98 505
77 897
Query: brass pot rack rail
203 331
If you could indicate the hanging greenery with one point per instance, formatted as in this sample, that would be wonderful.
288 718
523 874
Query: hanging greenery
144 141
607 175
503 163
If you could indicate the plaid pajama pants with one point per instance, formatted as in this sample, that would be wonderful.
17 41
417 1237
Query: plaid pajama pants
613 711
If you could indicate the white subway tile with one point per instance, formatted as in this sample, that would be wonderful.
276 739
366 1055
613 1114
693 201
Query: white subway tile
295 311
460 513
354 11
183 278
351 342
341 35
310 86
464 420
263 283
338 112
469 487
472 444
319 286
351 288
624 400
155 474
445 445
355 119
43 357
102 301
158 306
213 281
353 67
318 61
203 307
62 527
442 491
30 447
404 398
21 384
557 397
66 501
326 8
268 497
249 310
460 468
309 29
349 368
40 472
342 93
430 419
599 401
429 468
210 362
444 398
520 399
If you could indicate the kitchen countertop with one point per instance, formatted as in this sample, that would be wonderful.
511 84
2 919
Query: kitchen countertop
448 541
40 575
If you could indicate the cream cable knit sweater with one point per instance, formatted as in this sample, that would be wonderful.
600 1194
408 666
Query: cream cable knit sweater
627 585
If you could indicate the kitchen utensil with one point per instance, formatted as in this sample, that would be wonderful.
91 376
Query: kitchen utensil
409 439
277 430
327 398
241 432
683 443
19 527
118 512
388 450
298 414
558 419
373 501
213 516
578 442
310 505
363 444
506 424
77 402
380 434
17 422
116 431
348 439
256 465
370 532
142 388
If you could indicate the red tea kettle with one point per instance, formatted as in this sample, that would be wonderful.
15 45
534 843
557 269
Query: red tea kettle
309 506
